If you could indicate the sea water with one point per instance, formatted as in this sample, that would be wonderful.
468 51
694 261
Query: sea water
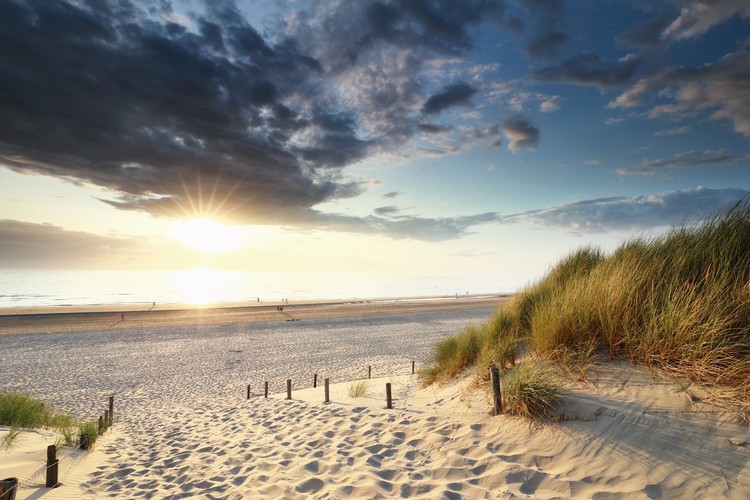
61 287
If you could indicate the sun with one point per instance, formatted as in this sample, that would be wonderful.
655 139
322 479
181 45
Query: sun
205 235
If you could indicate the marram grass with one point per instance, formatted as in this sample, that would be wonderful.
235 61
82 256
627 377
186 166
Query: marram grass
20 410
678 302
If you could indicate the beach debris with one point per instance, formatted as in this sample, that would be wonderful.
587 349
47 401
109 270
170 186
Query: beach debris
738 441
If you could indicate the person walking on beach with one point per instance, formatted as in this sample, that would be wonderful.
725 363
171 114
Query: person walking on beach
122 317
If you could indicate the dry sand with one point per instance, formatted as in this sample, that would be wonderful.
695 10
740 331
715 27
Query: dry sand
624 434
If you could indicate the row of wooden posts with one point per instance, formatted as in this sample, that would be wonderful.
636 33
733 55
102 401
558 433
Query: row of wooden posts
105 422
497 400
327 399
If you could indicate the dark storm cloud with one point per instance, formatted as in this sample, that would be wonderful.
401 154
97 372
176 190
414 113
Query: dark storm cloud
457 94
200 114
167 118
632 213
591 69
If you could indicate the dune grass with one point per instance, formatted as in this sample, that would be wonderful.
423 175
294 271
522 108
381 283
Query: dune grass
678 302
19 410
358 389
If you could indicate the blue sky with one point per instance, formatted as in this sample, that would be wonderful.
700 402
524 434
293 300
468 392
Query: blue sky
431 137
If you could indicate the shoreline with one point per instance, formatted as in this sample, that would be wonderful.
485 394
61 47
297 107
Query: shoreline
62 319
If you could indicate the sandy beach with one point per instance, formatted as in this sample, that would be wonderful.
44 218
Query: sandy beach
185 427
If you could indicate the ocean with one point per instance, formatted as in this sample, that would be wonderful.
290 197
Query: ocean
68 287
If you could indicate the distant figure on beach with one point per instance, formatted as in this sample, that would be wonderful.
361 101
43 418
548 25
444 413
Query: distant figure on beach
122 317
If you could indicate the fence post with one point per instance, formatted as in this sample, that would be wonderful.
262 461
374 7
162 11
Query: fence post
315 381
111 410
101 425
248 391
327 393
497 401
289 388
52 461
266 389
388 400
369 372
412 367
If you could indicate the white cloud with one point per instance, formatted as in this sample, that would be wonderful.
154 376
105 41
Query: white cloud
632 213
698 17
674 131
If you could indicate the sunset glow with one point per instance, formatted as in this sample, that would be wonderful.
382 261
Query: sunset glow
205 235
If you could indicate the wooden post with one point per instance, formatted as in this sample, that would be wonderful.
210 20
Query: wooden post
101 425
289 388
412 367
52 464
369 372
248 391
327 393
111 410
266 389
83 442
315 381
497 402
388 400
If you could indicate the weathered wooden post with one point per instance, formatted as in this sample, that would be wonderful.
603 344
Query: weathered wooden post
369 372
388 400
101 425
412 367
315 381
111 410
248 391
328 398
497 401
266 389
52 463
289 388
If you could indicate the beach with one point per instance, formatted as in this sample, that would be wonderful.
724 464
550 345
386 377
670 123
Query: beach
185 427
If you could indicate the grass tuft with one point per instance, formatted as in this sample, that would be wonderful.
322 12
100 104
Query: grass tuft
358 389
529 390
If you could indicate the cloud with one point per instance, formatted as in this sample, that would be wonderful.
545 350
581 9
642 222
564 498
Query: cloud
631 213
29 244
541 27
550 104
390 195
391 222
697 17
674 131
591 69
199 114
521 134
645 34
595 161
687 159
457 94
614 121
719 88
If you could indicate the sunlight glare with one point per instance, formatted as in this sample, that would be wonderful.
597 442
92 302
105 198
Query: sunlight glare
207 236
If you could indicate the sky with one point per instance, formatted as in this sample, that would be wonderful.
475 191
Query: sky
477 138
